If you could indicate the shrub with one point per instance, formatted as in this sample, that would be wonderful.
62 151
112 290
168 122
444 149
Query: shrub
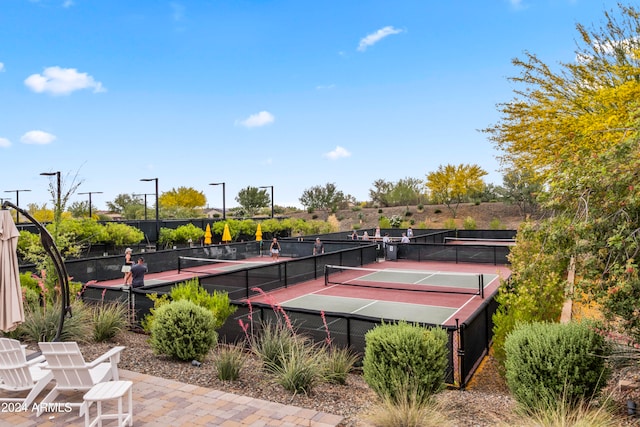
469 223
384 222
183 330
338 363
108 321
356 208
495 224
273 340
450 224
408 213
380 211
546 362
229 361
356 226
395 221
437 211
314 216
41 324
393 351
299 367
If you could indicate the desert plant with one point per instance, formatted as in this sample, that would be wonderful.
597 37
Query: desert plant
108 321
551 361
561 413
299 368
450 224
274 339
41 324
183 330
395 350
495 224
338 363
229 361
411 412
469 223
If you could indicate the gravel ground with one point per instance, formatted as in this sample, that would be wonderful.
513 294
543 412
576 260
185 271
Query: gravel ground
486 402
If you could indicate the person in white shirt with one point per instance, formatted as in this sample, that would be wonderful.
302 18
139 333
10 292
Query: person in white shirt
404 239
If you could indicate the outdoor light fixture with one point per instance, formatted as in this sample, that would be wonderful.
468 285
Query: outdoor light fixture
90 193
224 210
17 202
145 202
157 206
270 186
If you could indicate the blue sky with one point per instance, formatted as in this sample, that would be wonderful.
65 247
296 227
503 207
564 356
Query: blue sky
288 93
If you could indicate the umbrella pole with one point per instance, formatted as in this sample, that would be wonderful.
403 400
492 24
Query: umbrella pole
58 262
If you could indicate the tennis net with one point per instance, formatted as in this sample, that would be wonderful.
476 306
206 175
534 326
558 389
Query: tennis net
213 265
475 241
407 280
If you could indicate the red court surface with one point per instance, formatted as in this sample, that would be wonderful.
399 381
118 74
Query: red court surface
462 305
465 304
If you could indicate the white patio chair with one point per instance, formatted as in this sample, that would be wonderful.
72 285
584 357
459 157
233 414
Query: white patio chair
19 375
72 373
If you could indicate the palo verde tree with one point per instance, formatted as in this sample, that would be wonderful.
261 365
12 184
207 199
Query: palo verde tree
575 127
452 185
183 202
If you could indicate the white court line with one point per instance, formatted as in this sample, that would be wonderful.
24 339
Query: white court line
461 307
373 301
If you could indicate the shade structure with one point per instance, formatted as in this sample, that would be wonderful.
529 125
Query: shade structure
207 235
11 309
259 233
226 235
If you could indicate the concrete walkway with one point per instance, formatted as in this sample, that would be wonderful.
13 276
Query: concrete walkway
162 402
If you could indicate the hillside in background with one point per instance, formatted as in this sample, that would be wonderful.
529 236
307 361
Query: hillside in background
431 216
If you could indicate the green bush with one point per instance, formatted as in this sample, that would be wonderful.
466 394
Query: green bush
384 222
495 224
41 324
450 224
183 330
394 351
108 321
437 211
547 362
469 223
218 302
229 361
273 340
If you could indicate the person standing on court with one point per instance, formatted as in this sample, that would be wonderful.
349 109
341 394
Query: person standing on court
126 268
274 248
137 273
409 232
377 233
405 238
318 247
354 235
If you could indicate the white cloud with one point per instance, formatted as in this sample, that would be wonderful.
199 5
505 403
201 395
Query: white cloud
67 3
338 153
37 137
374 38
517 4
4 142
325 87
256 120
1 67
62 81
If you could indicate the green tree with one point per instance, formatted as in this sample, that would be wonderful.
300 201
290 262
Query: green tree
252 198
379 194
452 185
575 127
129 206
521 187
327 198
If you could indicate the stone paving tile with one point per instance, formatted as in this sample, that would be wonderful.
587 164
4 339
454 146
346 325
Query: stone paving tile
160 402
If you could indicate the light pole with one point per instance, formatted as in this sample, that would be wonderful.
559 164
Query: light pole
157 211
90 193
270 186
224 210
57 175
17 201
145 202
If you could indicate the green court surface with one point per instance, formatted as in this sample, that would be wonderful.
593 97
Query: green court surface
428 278
373 308
239 265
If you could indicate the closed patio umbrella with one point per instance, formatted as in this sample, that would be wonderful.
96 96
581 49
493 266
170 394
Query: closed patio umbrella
11 309
207 235
259 237
226 234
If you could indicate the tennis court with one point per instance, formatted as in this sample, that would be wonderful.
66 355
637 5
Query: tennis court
374 308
